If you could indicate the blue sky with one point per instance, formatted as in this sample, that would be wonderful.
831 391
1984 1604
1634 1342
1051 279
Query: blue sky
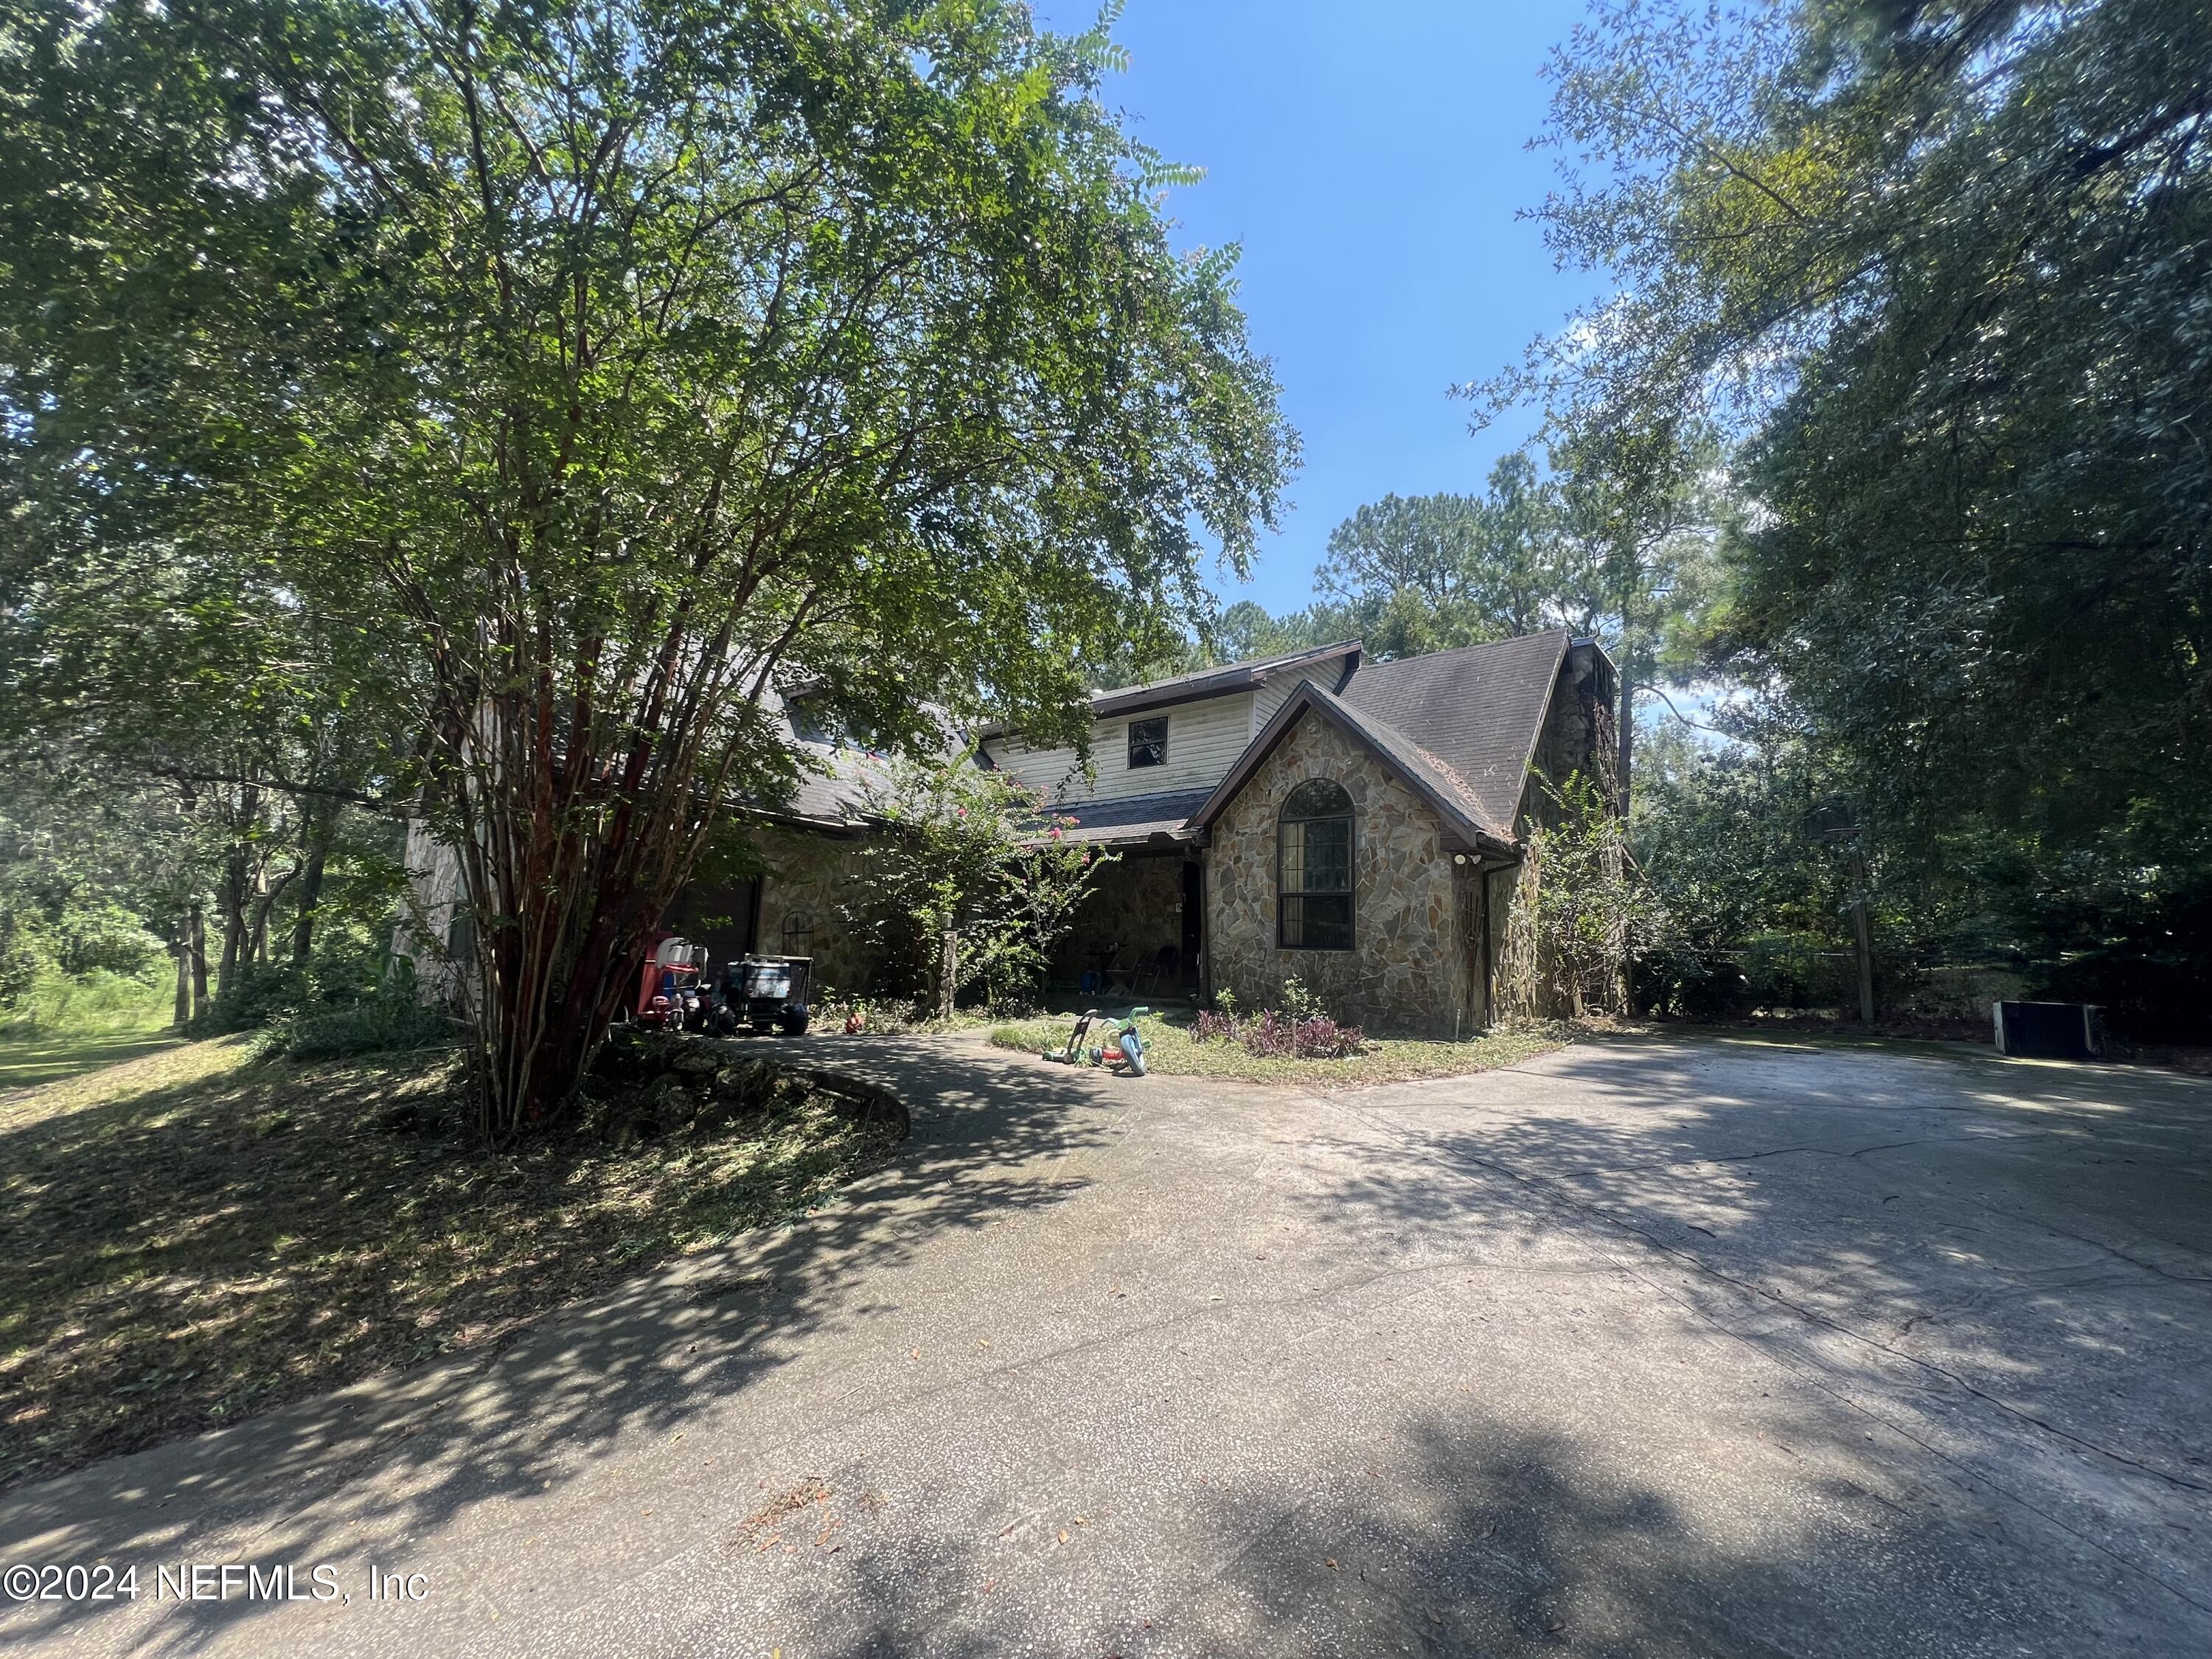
1369 157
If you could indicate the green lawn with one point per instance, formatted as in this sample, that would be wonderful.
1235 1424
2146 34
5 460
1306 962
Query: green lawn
1171 1052
66 1038
197 1236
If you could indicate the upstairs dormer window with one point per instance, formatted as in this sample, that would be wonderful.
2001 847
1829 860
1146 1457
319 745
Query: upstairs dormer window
1148 742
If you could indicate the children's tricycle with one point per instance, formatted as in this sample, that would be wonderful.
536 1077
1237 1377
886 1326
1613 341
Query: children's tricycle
1123 1048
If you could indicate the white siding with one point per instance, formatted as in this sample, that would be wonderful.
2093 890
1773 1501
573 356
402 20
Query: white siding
1275 690
1204 740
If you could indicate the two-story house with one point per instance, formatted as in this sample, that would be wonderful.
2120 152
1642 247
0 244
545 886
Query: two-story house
1358 824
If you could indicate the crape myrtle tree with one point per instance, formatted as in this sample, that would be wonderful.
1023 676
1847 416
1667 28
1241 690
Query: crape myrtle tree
973 880
615 363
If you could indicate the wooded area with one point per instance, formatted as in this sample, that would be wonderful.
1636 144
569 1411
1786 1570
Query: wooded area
1881 468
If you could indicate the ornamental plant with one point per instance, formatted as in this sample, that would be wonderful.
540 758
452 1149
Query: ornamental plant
1300 1029
971 881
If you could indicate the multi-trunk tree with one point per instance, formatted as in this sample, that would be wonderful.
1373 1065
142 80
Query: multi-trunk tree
610 363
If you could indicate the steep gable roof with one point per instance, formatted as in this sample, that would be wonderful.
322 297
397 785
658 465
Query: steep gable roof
1427 775
1478 710
1458 728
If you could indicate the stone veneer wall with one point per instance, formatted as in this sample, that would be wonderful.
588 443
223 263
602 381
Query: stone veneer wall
812 875
803 872
1408 971
1135 909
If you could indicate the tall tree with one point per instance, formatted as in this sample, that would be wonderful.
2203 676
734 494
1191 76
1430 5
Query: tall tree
1428 571
613 359
1636 525
1938 270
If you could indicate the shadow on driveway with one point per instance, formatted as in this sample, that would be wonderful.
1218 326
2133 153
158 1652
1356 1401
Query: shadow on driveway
624 1368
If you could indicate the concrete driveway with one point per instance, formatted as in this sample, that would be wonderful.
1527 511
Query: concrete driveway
1641 1348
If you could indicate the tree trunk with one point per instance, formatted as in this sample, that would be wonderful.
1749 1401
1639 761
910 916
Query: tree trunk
183 1007
265 896
1863 935
266 893
199 960
310 895
561 918
948 973
233 921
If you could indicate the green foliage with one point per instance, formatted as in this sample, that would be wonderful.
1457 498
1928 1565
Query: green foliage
1436 571
577 374
281 993
1605 540
1583 912
382 1025
1938 273
51 1001
1299 1003
24 959
1729 836
970 883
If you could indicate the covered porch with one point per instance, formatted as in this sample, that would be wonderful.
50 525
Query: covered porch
1139 936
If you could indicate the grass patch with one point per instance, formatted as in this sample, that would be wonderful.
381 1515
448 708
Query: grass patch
67 1026
197 1236
1171 1051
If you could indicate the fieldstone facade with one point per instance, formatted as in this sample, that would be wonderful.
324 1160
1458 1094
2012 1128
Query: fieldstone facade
808 882
1413 967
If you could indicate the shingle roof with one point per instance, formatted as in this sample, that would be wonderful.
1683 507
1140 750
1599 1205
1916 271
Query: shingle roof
836 800
1217 682
1133 819
1476 711
1459 727
1428 777
1213 682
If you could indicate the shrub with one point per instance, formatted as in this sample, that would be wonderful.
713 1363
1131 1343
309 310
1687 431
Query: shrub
1300 1029
1315 1037
1214 1027
107 938
970 885
385 1025
24 960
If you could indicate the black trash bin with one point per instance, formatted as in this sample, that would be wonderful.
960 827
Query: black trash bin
2050 1031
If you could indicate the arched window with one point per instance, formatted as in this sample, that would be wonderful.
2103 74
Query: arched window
799 934
1313 869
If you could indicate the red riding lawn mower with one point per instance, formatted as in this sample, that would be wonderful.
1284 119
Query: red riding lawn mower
668 984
